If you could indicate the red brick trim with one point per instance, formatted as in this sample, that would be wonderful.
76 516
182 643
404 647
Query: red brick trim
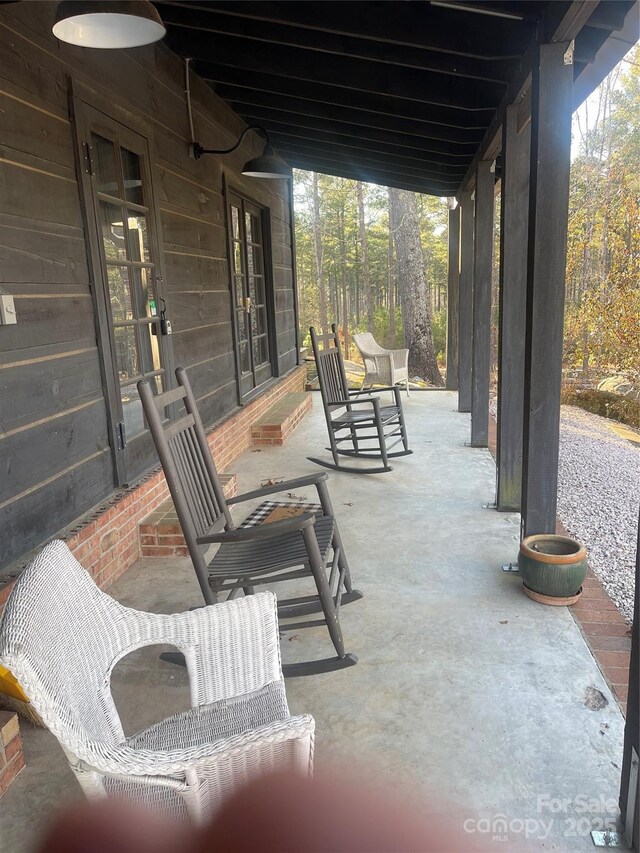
277 424
11 757
160 532
601 623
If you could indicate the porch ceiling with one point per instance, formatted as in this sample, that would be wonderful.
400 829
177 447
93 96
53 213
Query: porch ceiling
396 93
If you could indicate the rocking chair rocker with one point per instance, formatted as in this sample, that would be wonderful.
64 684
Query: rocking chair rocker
372 431
307 545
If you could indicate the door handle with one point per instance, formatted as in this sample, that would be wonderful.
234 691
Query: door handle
247 304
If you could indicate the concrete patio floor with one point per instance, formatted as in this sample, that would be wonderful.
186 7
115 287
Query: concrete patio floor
466 692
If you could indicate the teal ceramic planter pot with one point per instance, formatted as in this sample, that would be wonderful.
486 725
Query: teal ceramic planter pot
552 565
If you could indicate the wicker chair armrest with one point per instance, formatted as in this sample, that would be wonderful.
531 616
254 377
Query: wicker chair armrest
400 357
230 648
150 766
262 531
285 486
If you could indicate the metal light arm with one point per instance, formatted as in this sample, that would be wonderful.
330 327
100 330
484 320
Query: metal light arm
197 149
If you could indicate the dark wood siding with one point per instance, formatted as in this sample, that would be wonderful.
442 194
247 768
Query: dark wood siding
55 457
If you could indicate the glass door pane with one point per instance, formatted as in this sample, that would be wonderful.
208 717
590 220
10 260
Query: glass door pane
249 293
127 280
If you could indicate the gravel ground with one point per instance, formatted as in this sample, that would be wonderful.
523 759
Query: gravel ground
598 499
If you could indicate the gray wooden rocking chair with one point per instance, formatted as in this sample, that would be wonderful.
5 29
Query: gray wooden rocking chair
363 433
307 545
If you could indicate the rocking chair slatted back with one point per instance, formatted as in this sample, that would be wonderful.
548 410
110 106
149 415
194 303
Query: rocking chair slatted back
331 373
184 452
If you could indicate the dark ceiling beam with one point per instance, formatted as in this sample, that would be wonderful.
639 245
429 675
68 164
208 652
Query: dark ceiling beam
308 114
563 23
357 153
588 42
611 52
455 92
410 24
272 119
362 172
384 179
317 91
343 159
564 20
609 16
496 71
240 99
523 11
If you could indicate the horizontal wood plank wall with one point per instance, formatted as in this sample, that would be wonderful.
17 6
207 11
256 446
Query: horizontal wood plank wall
55 459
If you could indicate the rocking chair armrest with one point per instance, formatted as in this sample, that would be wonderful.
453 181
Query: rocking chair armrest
285 486
368 391
262 531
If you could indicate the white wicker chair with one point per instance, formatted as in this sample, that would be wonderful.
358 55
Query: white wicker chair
61 637
382 366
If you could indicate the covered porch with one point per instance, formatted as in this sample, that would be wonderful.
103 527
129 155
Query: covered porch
466 692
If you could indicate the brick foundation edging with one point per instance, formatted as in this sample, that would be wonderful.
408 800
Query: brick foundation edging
161 534
11 756
600 622
277 424
106 540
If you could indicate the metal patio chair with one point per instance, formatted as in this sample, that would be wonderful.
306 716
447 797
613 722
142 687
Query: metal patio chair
303 546
359 425
382 366
61 637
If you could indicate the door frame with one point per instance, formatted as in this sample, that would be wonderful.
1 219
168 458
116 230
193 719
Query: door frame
88 109
228 190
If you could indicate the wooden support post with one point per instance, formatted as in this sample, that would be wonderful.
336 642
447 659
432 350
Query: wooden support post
296 310
551 105
481 352
629 795
514 217
465 328
453 299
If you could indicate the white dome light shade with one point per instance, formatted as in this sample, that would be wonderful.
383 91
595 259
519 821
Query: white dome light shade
108 25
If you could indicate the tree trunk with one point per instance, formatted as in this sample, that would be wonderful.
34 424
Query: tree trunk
357 288
391 286
366 275
317 240
416 309
343 277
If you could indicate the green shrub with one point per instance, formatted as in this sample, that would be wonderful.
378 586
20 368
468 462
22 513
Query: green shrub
608 405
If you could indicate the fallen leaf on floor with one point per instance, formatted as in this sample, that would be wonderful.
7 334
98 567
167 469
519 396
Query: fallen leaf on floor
348 503
270 482
294 637
504 621
256 450
296 497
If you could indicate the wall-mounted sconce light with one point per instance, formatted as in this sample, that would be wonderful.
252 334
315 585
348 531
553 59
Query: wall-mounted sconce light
267 165
115 24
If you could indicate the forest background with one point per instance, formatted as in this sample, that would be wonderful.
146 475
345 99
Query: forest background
372 258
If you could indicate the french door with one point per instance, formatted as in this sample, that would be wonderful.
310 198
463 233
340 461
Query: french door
251 294
129 301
